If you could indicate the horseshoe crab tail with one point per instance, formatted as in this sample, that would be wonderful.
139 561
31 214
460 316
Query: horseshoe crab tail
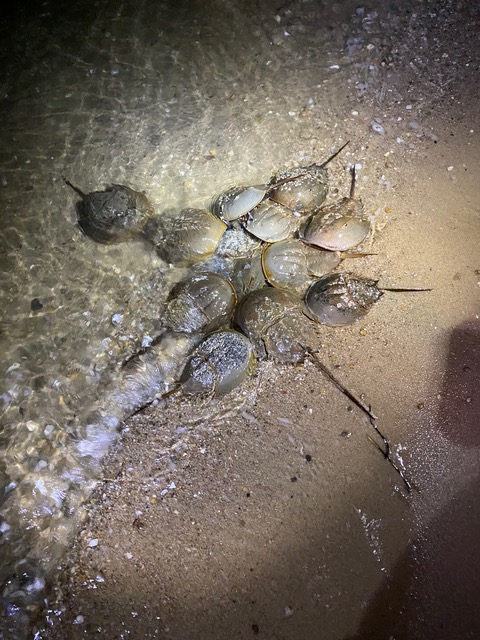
76 189
324 164
352 186
405 289
367 410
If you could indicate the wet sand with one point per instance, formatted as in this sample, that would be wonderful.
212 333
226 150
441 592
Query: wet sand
270 512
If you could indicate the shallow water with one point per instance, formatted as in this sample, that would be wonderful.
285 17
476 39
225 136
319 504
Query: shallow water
151 96
179 100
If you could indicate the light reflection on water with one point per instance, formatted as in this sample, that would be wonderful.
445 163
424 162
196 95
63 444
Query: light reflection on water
158 96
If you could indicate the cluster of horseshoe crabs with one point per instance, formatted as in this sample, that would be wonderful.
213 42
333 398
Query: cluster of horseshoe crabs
261 275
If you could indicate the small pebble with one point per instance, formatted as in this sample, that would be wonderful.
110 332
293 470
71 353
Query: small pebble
450 168
93 542
79 620
288 612
378 128
117 318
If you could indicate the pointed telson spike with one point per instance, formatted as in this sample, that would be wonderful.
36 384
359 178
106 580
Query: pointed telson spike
361 405
76 189
279 183
324 164
352 186
367 409
346 255
405 289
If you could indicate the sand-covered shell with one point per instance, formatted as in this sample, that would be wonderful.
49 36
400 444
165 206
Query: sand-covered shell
185 237
292 264
272 222
220 363
236 243
305 192
114 215
201 302
273 320
304 189
340 298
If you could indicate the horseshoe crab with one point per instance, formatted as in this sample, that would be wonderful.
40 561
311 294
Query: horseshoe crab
338 299
339 226
272 222
186 237
305 188
273 320
114 215
218 364
238 201
201 302
292 264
